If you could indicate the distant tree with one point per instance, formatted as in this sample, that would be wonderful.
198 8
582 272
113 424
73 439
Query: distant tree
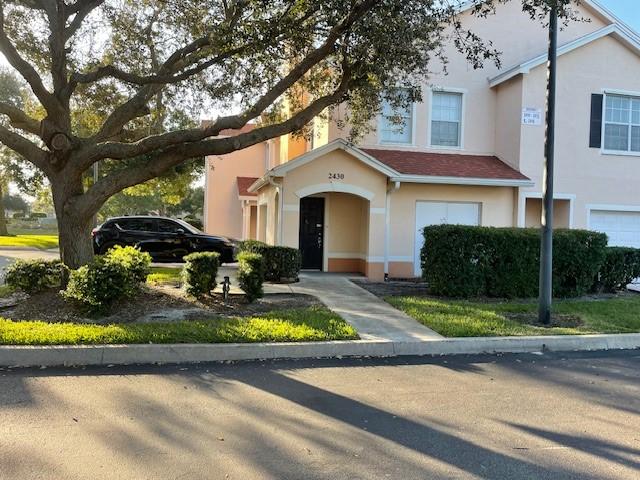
44 201
192 205
161 196
15 203
13 168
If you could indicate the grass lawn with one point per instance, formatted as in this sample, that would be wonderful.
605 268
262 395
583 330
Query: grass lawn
298 325
43 242
163 275
5 291
468 319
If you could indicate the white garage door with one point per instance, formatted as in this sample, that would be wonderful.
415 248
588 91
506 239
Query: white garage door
623 228
438 213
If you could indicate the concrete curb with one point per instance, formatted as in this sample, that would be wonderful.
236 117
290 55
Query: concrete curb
74 355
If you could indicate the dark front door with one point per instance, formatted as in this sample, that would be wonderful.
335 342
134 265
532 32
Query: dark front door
311 232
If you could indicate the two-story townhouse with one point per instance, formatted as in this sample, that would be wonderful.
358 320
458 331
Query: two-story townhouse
470 153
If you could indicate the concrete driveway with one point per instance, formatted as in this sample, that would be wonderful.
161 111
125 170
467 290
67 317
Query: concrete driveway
574 416
10 255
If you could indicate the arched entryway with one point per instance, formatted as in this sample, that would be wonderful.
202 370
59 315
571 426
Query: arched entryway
334 232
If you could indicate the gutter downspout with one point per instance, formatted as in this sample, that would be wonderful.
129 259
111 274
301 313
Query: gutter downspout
390 189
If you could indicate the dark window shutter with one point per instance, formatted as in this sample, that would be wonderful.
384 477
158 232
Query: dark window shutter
595 133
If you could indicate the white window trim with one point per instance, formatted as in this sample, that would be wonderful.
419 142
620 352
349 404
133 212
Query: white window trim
522 204
412 143
602 207
463 108
624 93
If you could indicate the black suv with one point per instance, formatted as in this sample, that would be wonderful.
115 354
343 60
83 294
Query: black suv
166 239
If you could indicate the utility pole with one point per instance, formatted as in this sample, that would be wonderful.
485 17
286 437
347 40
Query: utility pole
546 241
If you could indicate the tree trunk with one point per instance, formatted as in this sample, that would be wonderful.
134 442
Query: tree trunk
3 219
74 229
76 245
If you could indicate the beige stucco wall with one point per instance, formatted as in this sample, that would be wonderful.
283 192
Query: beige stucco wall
592 177
519 39
508 124
223 208
496 210
561 213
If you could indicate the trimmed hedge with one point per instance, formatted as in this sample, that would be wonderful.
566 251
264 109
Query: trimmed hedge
280 263
35 275
200 271
463 261
251 274
621 266
118 274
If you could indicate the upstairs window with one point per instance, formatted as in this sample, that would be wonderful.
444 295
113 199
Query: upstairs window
396 123
622 123
446 119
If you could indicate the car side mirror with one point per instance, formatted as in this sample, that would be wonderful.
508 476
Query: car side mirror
180 231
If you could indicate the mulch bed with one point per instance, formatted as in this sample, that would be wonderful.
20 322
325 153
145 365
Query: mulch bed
161 303
393 288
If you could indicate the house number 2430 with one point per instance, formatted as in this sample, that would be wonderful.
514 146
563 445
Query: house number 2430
336 176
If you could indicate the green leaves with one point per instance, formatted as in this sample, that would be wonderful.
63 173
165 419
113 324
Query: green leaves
462 261
200 271
34 276
251 274
117 274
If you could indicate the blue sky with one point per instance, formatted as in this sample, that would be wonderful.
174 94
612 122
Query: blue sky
627 10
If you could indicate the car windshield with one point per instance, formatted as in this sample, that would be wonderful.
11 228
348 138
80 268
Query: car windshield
187 226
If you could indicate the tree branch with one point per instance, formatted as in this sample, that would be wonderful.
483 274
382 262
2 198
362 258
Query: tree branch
108 186
27 72
80 10
19 119
24 147
116 150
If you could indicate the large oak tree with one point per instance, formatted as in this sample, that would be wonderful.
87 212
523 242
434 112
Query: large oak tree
109 78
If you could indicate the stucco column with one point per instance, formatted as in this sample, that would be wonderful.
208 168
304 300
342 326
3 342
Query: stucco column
376 241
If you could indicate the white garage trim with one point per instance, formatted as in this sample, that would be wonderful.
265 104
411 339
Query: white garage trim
444 219
621 223
522 202
609 208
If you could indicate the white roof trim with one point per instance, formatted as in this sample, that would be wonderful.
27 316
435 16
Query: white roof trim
338 144
631 41
393 175
487 182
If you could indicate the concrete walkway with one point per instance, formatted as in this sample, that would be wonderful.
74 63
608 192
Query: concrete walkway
373 318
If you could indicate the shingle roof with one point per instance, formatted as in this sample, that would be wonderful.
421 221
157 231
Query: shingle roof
243 184
446 164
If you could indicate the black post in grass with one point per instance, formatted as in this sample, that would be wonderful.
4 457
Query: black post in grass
546 241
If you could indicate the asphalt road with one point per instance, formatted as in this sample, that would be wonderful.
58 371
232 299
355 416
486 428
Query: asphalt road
506 417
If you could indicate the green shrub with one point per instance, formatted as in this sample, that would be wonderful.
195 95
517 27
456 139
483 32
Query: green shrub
200 271
34 275
136 262
251 274
38 215
253 246
621 266
462 261
110 277
280 263
18 215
